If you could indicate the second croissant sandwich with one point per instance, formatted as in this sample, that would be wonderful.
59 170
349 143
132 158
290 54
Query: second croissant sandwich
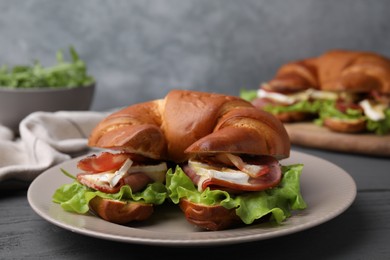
216 156
346 91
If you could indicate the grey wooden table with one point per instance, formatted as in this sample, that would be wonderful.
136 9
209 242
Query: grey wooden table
361 232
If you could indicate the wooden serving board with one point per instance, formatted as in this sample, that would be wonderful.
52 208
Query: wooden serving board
311 135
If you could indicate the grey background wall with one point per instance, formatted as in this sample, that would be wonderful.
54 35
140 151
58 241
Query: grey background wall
140 49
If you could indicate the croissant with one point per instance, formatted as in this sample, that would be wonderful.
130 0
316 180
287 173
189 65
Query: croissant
354 71
342 75
195 131
187 122
335 70
295 76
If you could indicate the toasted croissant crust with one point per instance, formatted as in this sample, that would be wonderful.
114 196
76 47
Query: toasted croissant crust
345 126
295 76
209 217
335 70
135 129
120 212
294 116
354 71
188 122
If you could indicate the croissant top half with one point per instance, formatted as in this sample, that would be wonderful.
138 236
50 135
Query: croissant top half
335 70
186 123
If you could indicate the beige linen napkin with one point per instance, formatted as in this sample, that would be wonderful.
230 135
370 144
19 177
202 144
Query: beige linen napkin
45 139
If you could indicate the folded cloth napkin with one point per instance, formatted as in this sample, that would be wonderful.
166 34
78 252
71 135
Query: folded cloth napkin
45 139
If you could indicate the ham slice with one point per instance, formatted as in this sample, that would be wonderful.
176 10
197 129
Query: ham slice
259 174
137 181
108 172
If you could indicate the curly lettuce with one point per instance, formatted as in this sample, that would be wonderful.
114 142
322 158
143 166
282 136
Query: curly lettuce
301 106
75 197
328 109
380 127
279 201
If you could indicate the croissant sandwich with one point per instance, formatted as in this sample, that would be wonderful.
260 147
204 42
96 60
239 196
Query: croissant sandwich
217 157
346 91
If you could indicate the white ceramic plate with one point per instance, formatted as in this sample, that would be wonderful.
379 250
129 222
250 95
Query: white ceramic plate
327 189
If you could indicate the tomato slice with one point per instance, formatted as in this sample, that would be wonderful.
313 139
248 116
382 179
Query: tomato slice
103 162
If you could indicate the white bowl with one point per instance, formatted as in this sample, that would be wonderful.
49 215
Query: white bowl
17 103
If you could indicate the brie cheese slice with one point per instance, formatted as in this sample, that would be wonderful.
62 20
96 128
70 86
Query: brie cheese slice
373 111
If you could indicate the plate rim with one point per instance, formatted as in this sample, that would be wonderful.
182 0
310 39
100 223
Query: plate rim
203 240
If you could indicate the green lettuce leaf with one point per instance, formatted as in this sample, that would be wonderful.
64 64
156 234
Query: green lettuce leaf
279 201
328 109
380 127
248 94
302 106
75 197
